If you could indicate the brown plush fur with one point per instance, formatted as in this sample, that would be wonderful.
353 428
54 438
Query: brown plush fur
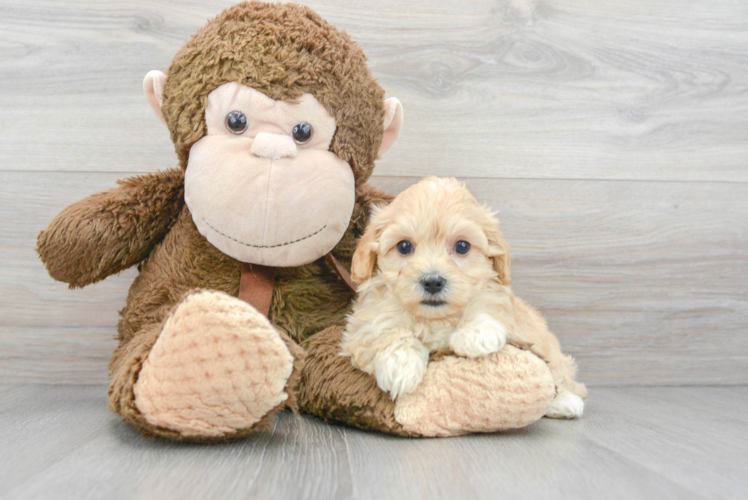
306 299
283 51
111 231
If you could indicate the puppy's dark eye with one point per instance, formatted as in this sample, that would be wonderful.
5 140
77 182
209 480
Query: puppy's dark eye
462 247
405 247
302 133
236 122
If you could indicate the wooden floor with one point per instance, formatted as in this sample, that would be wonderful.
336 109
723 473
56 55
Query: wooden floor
634 443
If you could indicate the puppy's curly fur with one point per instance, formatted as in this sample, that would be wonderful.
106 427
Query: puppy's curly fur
434 274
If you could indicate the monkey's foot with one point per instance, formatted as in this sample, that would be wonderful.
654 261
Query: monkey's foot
219 369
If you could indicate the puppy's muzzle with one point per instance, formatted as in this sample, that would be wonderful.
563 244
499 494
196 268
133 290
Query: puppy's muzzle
433 284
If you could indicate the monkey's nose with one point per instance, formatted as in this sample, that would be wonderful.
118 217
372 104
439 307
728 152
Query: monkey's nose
433 283
273 146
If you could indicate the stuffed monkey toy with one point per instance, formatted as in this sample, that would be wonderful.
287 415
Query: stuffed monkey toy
243 249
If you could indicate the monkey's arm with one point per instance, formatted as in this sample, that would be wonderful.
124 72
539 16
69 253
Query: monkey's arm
110 231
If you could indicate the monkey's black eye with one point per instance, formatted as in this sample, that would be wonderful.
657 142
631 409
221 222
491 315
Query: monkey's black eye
302 132
462 247
236 122
405 247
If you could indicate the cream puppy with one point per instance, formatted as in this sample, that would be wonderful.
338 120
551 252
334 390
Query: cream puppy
433 271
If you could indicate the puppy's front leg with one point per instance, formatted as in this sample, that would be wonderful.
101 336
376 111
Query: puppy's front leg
478 337
395 357
401 367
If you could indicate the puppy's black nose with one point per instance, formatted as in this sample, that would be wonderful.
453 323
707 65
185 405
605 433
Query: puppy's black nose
433 283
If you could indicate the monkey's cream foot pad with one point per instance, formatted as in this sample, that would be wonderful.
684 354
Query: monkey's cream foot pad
217 367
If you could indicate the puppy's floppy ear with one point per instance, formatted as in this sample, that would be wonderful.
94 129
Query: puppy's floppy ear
365 257
498 249
501 261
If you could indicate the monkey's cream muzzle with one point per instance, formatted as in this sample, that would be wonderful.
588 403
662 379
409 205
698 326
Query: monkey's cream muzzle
259 196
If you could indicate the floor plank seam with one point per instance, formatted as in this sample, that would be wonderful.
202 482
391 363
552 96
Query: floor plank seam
265 440
354 487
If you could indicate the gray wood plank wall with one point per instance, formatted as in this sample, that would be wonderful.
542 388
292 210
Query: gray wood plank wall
612 137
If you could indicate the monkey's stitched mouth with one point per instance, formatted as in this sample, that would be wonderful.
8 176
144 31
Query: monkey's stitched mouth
265 246
433 303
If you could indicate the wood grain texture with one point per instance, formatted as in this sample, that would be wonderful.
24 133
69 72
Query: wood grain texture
645 443
56 355
513 88
612 137
670 435
642 281
44 424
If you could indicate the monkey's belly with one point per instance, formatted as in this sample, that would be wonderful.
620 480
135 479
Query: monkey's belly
308 299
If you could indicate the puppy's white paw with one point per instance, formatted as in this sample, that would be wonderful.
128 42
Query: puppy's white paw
566 405
479 338
400 371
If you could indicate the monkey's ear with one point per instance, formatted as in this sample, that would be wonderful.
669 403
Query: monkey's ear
153 86
393 122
